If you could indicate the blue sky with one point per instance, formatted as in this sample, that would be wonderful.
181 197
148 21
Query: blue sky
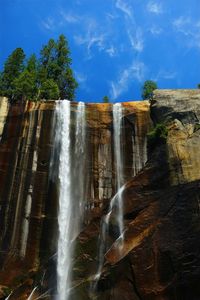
116 44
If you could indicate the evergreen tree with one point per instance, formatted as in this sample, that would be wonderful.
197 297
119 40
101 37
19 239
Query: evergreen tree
67 85
49 90
13 67
46 69
148 88
106 99
25 86
52 72
55 65
65 80
198 86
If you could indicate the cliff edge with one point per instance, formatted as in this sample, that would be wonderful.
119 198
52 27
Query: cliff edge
160 256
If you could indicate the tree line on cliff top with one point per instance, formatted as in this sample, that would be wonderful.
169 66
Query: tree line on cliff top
48 77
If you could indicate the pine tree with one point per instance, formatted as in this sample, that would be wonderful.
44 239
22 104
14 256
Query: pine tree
13 67
68 85
106 99
25 85
47 61
148 88
52 72
49 90
56 65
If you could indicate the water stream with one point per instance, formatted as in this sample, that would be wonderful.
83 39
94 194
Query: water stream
65 204
71 189
116 201
118 156
70 139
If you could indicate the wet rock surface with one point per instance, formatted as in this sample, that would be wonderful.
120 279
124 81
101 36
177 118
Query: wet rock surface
160 256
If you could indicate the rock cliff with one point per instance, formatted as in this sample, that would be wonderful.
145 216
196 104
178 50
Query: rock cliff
160 256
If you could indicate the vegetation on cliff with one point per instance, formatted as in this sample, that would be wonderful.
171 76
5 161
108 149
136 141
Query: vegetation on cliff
148 88
49 77
106 99
157 136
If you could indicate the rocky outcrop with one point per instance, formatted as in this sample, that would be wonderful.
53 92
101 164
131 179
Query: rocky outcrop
28 196
159 258
160 255
181 111
24 166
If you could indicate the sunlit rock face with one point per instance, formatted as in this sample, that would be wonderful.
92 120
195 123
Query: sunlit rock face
24 166
180 109
29 198
160 255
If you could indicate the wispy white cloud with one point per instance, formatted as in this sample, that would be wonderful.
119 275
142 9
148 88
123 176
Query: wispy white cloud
190 29
111 16
90 40
48 24
69 17
82 80
52 22
124 7
96 38
155 30
111 51
154 7
80 77
134 33
135 71
136 39
182 24
163 74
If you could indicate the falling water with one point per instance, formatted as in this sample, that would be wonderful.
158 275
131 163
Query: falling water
116 201
103 237
71 192
79 172
65 204
117 119
32 293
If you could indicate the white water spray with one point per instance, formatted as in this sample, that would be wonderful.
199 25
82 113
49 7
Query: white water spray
71 194
65 203
79 161
116 201
32 293
117 120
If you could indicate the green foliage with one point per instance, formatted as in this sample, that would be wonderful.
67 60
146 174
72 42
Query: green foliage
68 85
106 99
13 67
56 62
25 85
157 136
198 86
6 291
48 61
50 77
148 88
49 90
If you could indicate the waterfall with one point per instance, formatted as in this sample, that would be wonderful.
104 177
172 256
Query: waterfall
78 168
117 120
71 189
32 293
116 201
65 203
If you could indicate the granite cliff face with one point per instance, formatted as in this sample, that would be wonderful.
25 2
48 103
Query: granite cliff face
160 257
